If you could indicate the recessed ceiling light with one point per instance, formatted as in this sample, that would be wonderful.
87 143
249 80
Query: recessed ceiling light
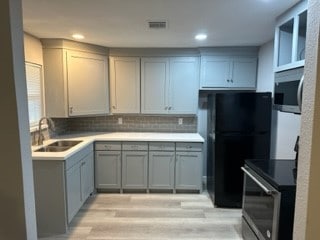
201 37
77 36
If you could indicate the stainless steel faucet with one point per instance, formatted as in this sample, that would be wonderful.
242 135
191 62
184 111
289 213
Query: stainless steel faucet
50 126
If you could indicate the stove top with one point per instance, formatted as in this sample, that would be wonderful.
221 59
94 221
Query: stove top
280 173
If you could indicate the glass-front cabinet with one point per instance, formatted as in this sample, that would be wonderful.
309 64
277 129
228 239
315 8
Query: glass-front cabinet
290 38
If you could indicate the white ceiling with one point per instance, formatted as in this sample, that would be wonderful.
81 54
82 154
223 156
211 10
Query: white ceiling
123 23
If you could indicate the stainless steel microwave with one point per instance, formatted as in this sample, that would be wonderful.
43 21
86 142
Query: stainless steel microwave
288 90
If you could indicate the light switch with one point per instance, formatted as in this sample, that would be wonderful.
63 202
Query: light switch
120 120
180 121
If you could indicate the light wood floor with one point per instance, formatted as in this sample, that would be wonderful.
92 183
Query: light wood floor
153 216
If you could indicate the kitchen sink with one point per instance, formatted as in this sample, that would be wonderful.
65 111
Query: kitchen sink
58 146
64 143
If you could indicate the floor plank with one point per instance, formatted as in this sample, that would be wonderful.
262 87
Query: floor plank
153 216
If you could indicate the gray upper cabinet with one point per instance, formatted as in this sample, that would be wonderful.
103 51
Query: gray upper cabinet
290 38
184 82
76 79
162 81
125 84
154 85
228 72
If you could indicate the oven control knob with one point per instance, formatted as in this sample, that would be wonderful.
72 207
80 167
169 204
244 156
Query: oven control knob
268 234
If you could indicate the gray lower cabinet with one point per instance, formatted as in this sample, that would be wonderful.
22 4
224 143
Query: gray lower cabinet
108 165
161 165
134 165
73 187
188 166
79 184
61 188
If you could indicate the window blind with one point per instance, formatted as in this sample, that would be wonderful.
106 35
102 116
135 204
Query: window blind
34 88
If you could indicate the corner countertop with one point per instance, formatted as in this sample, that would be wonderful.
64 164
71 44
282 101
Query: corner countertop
90 137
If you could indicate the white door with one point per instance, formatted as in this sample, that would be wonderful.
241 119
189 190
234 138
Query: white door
87 83
125 84
244 72
154 85
184 85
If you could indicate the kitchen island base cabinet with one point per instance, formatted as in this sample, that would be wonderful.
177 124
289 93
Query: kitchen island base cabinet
61 188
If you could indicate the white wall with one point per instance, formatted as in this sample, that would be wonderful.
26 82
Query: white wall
285 126
32 49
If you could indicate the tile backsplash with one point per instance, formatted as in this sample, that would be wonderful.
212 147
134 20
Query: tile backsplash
130 123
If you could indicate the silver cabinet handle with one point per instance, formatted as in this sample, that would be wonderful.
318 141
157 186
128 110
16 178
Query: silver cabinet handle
169 108
299 93
231 80
264 188
70 110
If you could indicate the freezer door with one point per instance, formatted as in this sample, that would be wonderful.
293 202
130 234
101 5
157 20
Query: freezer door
243 112
231 150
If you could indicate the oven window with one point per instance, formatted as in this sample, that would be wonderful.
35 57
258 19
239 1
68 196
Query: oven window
285 93
259 207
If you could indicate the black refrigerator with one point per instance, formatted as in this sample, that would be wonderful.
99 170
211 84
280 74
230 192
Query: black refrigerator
239 128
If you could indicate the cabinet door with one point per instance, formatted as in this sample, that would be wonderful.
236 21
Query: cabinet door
73 185
244 72
87 181
215 72
87 83
134 169
188 170
154 85
108 169
184 85
161 170
125 84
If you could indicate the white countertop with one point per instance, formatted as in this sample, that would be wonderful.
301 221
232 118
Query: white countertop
88 138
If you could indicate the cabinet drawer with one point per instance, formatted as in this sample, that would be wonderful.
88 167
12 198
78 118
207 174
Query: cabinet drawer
189 147
161 146
135 146
108 146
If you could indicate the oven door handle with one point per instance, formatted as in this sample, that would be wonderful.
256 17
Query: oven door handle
265 189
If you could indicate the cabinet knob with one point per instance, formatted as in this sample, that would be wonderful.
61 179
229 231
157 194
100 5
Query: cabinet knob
231 80
228 80
114 107
169 108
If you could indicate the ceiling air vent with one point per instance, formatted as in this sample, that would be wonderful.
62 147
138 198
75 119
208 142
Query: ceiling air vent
157 24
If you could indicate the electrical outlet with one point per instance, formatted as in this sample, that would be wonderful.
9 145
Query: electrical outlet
180 121
120 121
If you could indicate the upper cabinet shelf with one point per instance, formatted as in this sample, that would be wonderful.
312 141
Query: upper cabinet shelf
290 38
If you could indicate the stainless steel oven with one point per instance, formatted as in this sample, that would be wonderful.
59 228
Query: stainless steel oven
261 207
